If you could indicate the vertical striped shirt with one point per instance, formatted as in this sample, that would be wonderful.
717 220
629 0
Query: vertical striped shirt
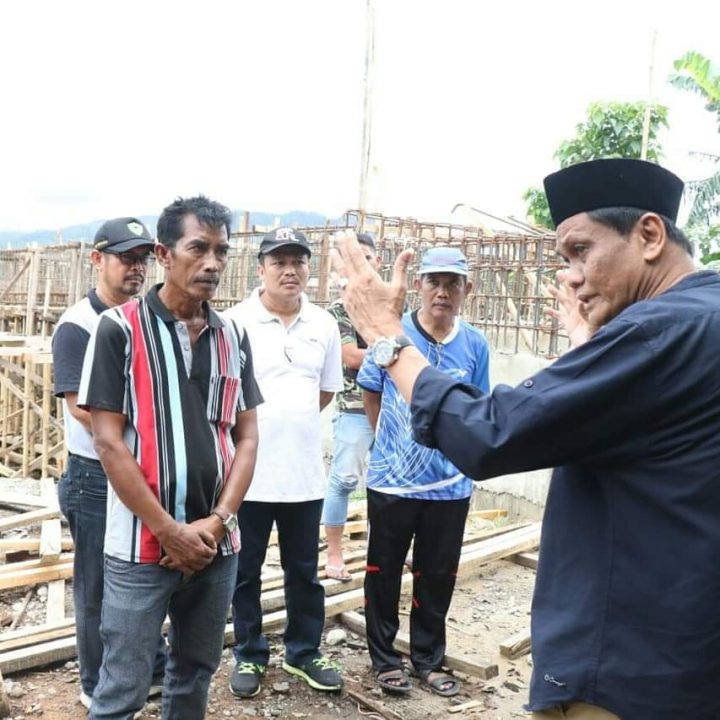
181 405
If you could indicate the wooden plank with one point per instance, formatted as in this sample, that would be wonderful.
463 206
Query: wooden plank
36 564
376 706
527 559
21 500
55 609
483 669
29 518
29 544
58 571
516 645
37 634
37 655
51 532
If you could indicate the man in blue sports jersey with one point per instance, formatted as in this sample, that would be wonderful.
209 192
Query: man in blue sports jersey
413 491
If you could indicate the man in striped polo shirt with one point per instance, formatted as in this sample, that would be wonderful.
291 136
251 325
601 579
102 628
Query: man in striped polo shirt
172 396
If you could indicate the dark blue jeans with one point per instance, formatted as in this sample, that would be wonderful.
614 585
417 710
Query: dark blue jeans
82 494
137 598
298 527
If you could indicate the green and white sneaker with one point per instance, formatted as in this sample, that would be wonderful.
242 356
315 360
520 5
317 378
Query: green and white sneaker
245 679
319 673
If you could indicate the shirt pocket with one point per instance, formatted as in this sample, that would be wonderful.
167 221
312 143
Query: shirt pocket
223 397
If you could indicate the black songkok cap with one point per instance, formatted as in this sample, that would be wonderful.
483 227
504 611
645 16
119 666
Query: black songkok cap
613 183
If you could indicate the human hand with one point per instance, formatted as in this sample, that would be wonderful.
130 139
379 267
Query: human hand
375 307
188 548
570 312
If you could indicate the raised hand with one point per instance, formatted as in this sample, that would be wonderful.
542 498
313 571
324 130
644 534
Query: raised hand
374 306
570 311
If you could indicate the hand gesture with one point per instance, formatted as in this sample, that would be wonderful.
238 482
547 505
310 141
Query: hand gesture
375 307
570 312
188 548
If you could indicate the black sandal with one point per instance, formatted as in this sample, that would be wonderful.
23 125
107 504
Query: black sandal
436 684
402 684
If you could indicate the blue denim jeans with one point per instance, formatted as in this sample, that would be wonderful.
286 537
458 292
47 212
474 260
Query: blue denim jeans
298 527
82 495
352 439
137 599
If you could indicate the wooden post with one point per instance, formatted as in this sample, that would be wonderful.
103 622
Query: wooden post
27 441
324 270
46 407
46 307
31 293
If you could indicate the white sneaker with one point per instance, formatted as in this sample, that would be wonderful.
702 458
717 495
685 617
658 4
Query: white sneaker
155 690
85 700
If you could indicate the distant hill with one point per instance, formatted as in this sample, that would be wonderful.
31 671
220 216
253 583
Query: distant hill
86 232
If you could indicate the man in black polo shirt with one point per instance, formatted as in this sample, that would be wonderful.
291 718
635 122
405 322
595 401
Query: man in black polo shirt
172 397
625 613
121 251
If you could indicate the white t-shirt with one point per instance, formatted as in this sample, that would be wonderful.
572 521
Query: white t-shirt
292 365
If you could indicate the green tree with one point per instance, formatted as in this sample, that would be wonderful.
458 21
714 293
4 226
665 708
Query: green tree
610 130
696 74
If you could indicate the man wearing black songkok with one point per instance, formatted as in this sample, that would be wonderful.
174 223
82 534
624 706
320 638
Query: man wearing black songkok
625 614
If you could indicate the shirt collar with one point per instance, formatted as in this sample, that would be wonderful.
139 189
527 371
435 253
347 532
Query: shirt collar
156 305
266 316
95 302
446 340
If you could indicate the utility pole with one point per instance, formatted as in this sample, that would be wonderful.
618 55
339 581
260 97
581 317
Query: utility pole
367 105
650 101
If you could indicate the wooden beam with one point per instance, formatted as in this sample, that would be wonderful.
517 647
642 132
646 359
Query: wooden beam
29 518
527 559
516 645
55 610
22 578
21 500
481 669
14 567
51 532
29 544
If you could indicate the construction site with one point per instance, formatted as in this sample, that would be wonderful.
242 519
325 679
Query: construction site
510 272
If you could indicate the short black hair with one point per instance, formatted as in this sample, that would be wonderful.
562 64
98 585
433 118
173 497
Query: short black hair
624 219
170 226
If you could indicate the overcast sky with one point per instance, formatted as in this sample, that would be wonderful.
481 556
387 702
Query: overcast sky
114 108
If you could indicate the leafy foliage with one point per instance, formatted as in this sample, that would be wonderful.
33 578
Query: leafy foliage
696 74
610 130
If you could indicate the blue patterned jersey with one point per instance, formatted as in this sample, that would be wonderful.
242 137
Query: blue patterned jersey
398 465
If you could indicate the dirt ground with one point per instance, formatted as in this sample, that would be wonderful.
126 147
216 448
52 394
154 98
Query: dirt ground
486 609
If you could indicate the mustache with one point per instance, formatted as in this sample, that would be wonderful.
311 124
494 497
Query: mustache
209 279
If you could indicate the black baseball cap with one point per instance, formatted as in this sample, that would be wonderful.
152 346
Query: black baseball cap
613 182
366 239
122 234
284 237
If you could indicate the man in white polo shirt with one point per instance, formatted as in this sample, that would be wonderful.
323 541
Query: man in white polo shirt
296 351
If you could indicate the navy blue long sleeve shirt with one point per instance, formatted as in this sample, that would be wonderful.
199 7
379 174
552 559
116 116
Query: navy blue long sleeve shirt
626 611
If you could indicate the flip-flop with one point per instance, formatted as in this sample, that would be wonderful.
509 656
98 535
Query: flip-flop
338 572
384 678
436 684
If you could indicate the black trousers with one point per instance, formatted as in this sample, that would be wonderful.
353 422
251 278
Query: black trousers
298 527
437 526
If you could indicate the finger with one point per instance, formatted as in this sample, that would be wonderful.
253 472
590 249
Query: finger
207 537
399 275
351 253
337 262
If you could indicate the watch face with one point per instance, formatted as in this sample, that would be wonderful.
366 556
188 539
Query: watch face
383 352
231 523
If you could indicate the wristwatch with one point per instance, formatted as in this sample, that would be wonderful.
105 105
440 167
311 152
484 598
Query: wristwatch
228 519
386 349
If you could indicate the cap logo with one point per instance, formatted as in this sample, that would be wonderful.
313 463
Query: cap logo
286 234
135 227
100 244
